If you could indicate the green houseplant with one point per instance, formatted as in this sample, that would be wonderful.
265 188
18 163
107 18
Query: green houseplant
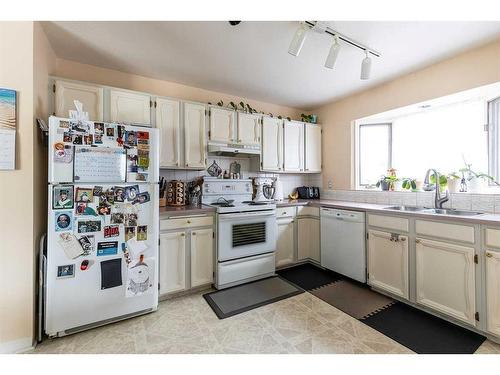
409 184
387 182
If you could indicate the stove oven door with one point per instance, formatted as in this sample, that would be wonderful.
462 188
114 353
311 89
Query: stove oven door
245 234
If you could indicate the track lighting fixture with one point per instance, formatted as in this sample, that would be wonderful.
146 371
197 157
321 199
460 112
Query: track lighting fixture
332 55
298 39
366 65
322 27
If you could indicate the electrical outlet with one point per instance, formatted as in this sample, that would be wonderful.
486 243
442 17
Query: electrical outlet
330 184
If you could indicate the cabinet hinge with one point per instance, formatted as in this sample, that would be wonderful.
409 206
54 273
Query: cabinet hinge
54 87
158 242
209 134
213 234
476 259
486 127
476 316
155 103
150 103
367 235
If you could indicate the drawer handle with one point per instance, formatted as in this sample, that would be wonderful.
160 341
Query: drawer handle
189 221
194 233
183 234
489 255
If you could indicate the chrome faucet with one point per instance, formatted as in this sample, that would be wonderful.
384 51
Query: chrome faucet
438 199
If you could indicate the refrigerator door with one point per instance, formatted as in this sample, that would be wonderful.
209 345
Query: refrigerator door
89 279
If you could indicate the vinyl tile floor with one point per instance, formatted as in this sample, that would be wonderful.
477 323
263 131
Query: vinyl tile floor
300 324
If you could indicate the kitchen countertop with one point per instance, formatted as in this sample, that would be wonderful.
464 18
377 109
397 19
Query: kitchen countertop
169 211
486 218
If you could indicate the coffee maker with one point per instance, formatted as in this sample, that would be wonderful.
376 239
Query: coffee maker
263 189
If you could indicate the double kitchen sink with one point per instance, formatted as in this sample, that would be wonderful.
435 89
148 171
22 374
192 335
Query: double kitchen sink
437 211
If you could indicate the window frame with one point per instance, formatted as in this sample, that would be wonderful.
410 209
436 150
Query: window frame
493 128
359 126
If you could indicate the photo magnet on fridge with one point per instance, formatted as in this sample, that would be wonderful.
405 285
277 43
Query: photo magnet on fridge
142 233
63 153
63 221
98 128
89 226
111 231
84 195
131 192
62 197
66 271
87 244
142 198
107 248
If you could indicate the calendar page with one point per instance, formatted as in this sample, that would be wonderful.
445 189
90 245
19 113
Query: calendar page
99 164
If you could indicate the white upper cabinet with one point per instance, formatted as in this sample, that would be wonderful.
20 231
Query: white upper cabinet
272 144
249 128
130 107
194 135
90 96
493 292
388 262
222 125
312 147
294 146
445 278
168 121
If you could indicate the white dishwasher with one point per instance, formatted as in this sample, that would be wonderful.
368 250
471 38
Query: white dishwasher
343 246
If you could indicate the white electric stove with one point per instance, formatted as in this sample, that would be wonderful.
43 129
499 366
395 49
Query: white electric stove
246 232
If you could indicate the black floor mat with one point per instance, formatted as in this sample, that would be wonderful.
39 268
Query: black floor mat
308 276
422 332
241 298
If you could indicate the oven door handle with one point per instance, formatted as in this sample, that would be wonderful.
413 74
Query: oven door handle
244 215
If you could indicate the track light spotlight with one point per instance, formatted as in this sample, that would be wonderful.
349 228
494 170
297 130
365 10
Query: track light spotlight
366 65
332 55
298 40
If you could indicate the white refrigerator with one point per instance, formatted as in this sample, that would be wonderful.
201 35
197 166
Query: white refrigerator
102 235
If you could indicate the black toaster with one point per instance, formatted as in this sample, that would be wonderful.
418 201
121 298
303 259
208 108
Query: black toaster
308 192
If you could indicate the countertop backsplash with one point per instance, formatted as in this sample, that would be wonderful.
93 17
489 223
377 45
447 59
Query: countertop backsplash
464 201
248 169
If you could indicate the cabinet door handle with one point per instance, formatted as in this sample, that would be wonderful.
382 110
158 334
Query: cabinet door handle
418 241
489 255
403 239
189 221
183 234
194 233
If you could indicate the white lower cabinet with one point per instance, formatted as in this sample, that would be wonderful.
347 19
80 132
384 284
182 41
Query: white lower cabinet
446 278
388 262
493 292
202 257
172 262
285 243
308 239
186 255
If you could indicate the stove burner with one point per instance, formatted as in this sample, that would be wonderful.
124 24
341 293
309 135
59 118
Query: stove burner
252 203
222 204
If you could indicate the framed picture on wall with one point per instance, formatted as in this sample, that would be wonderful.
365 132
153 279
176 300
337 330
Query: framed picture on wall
8 125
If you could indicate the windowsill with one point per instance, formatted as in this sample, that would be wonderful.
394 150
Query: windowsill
494 190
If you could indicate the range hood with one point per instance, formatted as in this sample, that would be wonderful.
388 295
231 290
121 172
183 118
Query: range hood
233 149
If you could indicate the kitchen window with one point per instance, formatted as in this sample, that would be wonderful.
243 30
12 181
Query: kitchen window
443 137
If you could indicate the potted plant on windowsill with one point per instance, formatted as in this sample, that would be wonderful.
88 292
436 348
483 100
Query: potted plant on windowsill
409 184
387 183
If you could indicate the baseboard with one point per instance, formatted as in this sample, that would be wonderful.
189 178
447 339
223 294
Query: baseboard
16 346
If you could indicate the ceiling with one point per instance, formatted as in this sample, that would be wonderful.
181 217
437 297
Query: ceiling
251 60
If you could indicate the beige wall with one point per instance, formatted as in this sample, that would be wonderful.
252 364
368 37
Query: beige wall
27 60
89 73
16 192
465 71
